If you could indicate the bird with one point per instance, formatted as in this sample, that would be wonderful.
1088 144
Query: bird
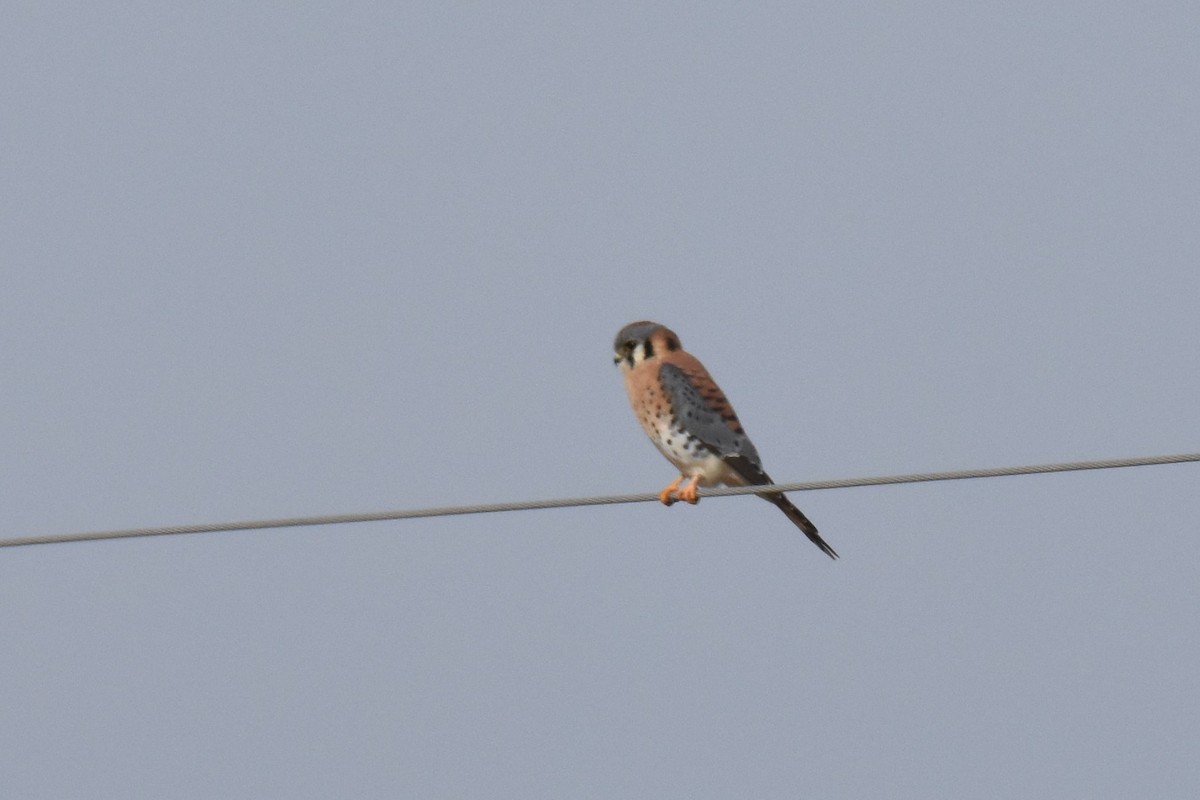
690 421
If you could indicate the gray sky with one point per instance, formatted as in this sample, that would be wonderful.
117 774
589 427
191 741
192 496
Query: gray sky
283 259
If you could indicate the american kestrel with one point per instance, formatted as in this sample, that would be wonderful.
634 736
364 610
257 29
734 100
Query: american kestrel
686 415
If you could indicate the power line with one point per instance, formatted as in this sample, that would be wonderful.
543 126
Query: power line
487 508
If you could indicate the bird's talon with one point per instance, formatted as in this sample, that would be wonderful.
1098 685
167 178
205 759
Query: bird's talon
665 495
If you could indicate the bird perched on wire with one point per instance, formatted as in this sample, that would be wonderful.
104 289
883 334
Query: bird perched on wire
690 421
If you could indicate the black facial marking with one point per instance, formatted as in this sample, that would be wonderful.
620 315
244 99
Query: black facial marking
648 348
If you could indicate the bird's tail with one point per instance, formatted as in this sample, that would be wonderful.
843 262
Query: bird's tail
799 520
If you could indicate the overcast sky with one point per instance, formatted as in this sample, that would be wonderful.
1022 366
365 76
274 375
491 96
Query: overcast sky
266 260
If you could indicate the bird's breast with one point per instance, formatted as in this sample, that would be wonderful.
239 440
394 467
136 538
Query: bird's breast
657 418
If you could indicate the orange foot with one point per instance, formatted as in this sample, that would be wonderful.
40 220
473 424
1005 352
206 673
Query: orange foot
688 493
665 494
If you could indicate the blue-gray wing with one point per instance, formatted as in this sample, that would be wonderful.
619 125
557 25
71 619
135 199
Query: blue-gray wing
704 414
701 410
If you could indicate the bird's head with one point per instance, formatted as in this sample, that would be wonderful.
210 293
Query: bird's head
642 341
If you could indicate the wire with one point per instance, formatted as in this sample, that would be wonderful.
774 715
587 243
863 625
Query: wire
487 508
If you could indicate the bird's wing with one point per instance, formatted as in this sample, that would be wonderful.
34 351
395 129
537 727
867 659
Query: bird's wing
702 410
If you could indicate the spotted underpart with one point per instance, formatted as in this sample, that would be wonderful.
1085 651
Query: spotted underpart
663 424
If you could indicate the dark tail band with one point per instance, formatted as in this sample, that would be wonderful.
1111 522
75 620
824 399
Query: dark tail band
802 522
